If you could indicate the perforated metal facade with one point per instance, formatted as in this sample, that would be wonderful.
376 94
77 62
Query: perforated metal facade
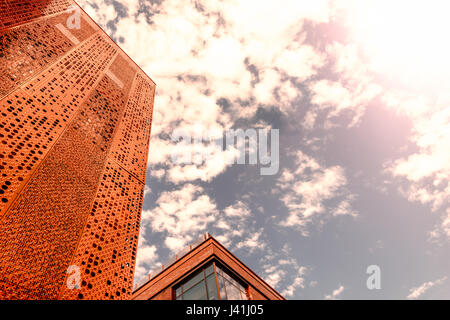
75 126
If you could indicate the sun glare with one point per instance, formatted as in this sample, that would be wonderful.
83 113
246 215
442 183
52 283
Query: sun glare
405 40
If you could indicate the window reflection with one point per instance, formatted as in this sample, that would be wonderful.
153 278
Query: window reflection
197 292
203 286
229 288
212 287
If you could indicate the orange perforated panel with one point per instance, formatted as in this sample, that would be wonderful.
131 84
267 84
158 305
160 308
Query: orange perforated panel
134 132
33 118
74 135
107 250
25 50
16 12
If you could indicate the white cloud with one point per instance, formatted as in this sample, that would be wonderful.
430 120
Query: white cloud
253 242
147 190
236 229
206 170
446 223
239 209
265 88
100 11
327 93
275 277
199 53
146 259
157 173
424 175
345 207
335 294
282 271
147 254
299 62
305 190
175 243
349 95
417 292
339 98
183 214
299 282
441 230
309 120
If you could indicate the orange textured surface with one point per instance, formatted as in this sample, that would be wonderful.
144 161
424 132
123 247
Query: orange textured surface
16 12
74 134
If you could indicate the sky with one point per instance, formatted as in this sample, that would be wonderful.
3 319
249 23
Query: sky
359 93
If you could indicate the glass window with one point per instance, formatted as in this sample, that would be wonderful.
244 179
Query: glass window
203 286
197 292
200 276
226 276
233 293
212 287
223 294
200 286
230 288
209 269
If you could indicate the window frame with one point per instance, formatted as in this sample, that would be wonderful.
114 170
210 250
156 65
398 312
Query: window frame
216 267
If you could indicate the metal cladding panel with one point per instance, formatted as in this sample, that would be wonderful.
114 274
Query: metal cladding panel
74 134
27 49
34 117
108 246
16 12
129 149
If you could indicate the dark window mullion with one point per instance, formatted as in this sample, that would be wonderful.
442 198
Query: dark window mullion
181 294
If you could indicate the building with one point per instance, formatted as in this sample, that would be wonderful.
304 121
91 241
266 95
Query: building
75 125
205 270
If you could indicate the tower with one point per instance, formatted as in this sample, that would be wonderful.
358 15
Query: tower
75 125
